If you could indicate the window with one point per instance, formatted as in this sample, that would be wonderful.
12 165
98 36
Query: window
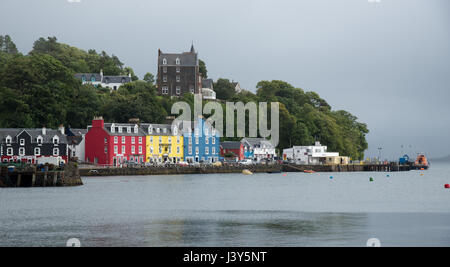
9 151
206 150
196 131
21 151
175 130
136 129
140 140
116 150
22 142
178 139
120 129
113 128
160 139
170 140
213 150
106 80
190 140
213 140
165 69
165 90
207 140
55 140
196 140
106 149
55 151
106 140
178 78
132 140
123 139
196 150
177 61
129 129
37 151
164 61
123 149
213 132
158 130
178 150
116 139
170 150
178 90
123 80
190 149
133 150
83 78
150 129
164 78
178 70
206 131
160 149
151 150
164 130
140 149
151 139
92 78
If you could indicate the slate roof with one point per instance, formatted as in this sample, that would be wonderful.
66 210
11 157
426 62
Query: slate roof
76 132
257 142
168 127
208 83
186 58
105 79
108 126
35 132
231 145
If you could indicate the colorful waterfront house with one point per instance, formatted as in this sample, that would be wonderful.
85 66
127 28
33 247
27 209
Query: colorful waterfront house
249 152
164 143
201 141
234 148
33 146
261 148
114 144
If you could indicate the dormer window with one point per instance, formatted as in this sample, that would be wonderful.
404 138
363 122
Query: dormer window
120 129
123 80
113 128
175 130
165 130
107 80
22 142
164 61
129 129
83 78
55 140
177 61
39 140
93 78
136 129
158 130
8 139
150 129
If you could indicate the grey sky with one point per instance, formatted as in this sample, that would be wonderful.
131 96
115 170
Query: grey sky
388 63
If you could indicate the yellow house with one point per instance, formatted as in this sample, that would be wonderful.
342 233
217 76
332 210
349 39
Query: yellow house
163 144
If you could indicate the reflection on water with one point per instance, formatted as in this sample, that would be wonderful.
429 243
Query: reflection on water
405 209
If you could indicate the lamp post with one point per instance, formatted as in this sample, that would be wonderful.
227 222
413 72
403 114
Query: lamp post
379 153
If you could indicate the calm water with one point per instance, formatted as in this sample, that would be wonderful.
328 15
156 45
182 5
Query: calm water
405 209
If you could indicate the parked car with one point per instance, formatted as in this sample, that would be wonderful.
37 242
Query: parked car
246 162
183 163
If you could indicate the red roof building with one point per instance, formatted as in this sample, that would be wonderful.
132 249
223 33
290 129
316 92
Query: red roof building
236 148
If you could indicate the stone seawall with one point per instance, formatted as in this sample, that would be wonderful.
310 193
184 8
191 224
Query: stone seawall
30 176
162 170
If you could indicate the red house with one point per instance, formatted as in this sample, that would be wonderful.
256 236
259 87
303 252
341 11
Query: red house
114 144
228 147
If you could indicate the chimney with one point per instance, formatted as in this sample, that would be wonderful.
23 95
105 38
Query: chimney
98 122
134 121
61 129
170 119
159 52
44 131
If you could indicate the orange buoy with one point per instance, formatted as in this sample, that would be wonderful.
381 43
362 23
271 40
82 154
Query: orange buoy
447 186
422 169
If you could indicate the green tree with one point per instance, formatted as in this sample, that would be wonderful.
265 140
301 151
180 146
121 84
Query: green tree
129 71
7 45
202 68
150 78
224 89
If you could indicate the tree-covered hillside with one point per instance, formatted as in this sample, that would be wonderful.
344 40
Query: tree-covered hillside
39 89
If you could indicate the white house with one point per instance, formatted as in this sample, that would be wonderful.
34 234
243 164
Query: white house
208 89
258 148
98 79
315 154
76 142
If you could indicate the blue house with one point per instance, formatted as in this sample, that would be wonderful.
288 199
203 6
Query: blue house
201 142
249 152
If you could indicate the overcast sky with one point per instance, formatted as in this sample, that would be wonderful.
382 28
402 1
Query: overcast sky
388 63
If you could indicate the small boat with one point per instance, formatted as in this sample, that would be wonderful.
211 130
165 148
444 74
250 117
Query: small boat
309 171
247 172
421 162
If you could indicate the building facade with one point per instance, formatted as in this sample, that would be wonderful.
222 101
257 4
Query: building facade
232 147
315 154
201 142
164 143
77 143
114 144
178 74
98 79
259 148
33 145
